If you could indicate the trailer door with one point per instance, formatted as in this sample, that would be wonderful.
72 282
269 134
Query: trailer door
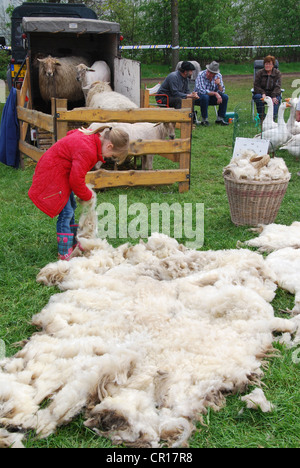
127 79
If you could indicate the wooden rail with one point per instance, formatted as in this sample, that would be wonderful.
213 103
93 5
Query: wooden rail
58 124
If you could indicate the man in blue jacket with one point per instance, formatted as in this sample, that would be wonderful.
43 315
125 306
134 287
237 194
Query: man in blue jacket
176 87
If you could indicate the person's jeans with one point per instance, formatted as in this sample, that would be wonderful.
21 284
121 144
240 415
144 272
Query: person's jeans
205 100
260 106
66 217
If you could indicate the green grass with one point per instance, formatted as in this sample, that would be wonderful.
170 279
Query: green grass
28 242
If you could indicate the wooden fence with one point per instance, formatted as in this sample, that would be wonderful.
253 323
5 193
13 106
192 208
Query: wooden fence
58 123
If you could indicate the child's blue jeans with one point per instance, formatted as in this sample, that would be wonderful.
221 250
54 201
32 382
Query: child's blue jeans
66 217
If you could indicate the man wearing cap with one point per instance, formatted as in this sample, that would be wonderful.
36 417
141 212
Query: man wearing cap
211 90
176 87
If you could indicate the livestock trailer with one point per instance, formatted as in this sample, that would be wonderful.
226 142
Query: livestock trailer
60 30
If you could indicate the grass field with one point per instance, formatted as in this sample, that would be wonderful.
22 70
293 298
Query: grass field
28 243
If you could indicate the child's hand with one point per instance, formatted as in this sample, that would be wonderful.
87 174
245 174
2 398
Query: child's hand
90 201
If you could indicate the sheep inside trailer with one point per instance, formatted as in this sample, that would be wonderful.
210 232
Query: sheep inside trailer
80 37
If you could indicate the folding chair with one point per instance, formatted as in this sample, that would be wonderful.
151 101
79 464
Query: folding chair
258 65
153 92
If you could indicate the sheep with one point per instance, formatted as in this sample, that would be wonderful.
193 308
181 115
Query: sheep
143 338
100 96
57 78
144 131
91 91
88 75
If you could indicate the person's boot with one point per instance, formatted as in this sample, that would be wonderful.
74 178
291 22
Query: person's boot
65 245
76 243
74 229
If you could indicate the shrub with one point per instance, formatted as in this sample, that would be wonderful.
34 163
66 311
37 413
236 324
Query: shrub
4 61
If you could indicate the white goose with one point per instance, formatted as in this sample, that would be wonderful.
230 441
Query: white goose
269 123
279 135
293 146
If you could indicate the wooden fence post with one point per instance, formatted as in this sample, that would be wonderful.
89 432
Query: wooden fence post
61 126
185 158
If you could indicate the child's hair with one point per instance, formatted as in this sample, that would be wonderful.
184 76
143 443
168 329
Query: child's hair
118 138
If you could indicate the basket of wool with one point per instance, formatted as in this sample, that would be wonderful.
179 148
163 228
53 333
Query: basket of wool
255 187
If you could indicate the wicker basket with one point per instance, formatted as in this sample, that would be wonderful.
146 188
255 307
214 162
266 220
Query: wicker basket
252 202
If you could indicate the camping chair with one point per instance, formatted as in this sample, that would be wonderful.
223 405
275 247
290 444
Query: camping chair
153 92
258 65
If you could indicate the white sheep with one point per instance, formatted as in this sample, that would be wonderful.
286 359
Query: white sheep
99 71
91 91
100 96
57 78
144 131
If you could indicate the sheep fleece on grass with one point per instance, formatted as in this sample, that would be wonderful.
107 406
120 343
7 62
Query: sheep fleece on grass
142 339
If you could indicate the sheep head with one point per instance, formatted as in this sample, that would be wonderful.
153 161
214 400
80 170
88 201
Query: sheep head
170 128
166 129
81 72
100 86
49 65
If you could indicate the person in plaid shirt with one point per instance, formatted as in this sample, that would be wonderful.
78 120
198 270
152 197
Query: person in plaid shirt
211 91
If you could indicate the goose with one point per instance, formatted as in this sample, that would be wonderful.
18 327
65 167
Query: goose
269 123
279 135
293 146
293 126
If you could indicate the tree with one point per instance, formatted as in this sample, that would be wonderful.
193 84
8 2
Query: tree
175 33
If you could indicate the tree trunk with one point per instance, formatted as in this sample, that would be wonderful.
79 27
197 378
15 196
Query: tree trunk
175 33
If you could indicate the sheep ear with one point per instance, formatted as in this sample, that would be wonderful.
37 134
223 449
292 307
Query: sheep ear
57 62
90 69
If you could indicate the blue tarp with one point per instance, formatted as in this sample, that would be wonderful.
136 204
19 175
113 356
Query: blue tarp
9 132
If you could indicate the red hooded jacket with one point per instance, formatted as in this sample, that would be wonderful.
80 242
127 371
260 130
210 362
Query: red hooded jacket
62 169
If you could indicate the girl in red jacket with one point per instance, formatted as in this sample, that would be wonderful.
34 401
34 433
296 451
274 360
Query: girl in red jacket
62 170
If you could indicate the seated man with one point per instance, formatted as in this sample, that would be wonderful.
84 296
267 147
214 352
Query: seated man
176 86
267 83
211 90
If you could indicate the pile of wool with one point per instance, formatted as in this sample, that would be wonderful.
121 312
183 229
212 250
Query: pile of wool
275 236
252 167
142 339
284 260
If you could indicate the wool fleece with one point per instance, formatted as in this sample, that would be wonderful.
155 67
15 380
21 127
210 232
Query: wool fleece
142 339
